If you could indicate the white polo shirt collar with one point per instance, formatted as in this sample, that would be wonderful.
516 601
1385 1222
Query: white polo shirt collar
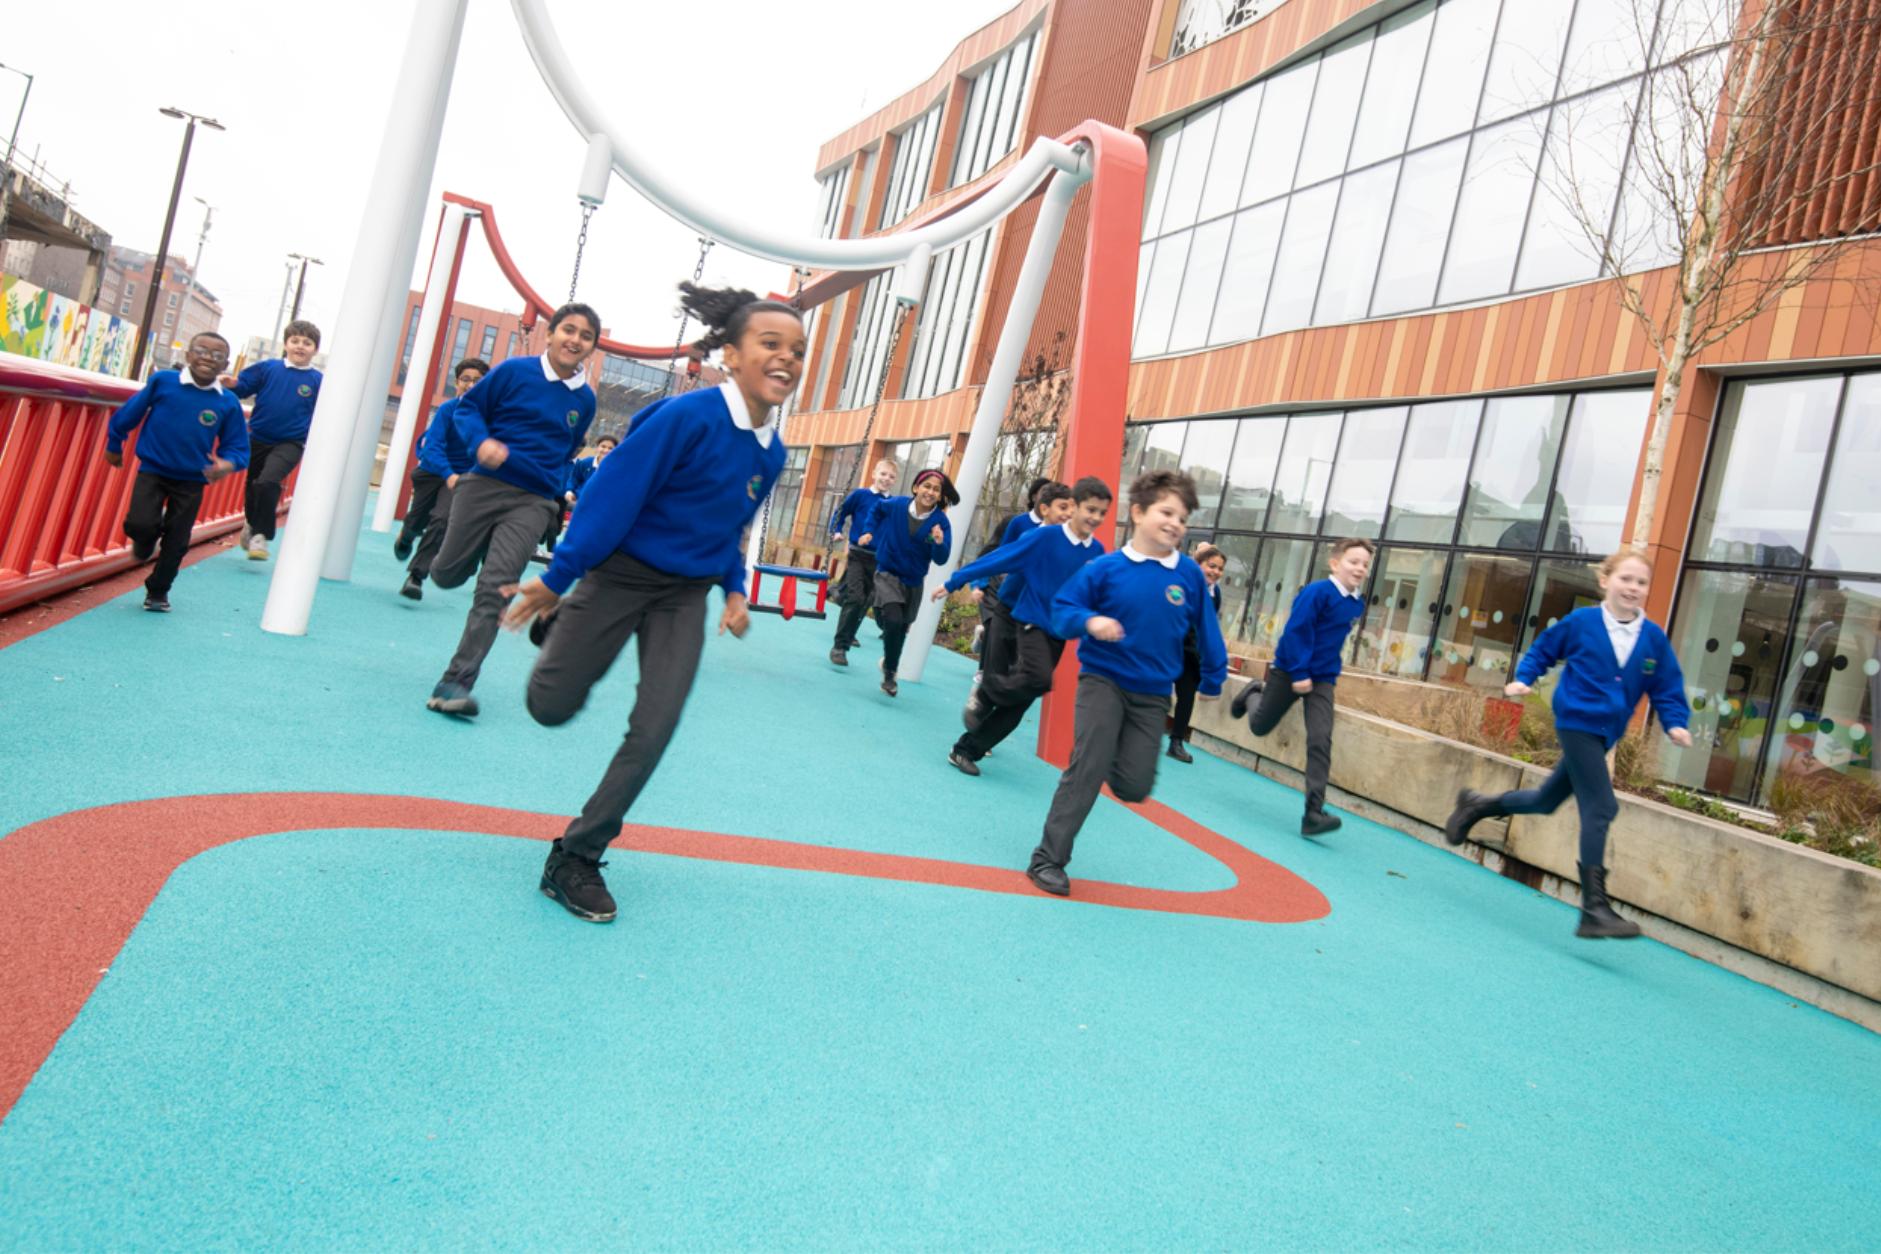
1130 551
574 382
1343 590
1073 536
214 385
741 414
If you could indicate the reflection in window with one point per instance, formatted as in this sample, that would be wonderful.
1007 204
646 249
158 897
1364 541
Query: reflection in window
1758 499
1305 469
945 319
1527 58
1159 296
1162 449
1496 188
1453 72
1284 568
1277 138
1598 461
1831 687
989 125
1580 176
1302 249
1608 43
1245 277
1361 482
1515 455
1391 87
1251 472
1335 108
1406 588
1730 634
1164 147
1849 535
1432 471
1185 185
1204 459
1207 247
1236 582
1357 238
1420 223
1221 191
832 188
912 168
1480 620
869 345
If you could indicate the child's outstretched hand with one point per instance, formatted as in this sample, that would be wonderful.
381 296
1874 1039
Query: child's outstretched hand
492 453
737 616
1100 628
1680 736
865 540
936 535
1516 689
1303 686
532 599
227 380
218 467
940 590
113 459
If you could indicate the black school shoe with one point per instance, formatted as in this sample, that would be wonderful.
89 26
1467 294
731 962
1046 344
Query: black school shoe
1318 823
1179 751
401 547
888 684
453 699
576 883
156 604
1238 705
538 631
414 589
962 763
1050 879
839 656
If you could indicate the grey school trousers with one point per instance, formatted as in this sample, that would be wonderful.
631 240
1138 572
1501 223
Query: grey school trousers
619 599
1276 698
495 526
1119 735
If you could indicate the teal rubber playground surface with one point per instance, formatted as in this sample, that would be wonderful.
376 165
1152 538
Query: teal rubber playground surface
387 1039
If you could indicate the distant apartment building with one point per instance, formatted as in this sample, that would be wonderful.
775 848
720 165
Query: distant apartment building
184 307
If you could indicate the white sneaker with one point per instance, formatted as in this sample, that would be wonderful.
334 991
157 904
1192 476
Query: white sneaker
257 548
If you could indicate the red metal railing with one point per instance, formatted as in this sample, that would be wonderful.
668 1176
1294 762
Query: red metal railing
61 506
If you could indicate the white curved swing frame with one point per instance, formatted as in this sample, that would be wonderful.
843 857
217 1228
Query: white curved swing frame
330 493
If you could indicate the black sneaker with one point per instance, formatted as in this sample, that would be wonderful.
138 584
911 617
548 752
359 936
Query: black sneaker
1318 823
156 604
576 882
839 656
962 763
401 547
539 631
1238 705
1179 751
1050 879
143 549
453 699
888 684
414 589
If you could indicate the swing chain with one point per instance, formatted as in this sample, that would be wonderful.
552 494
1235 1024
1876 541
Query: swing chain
581 244
881 384
698 274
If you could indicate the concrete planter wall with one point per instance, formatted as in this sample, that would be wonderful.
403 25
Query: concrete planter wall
1795 907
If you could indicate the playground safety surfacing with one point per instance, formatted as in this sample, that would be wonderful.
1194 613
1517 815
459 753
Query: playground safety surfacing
276 975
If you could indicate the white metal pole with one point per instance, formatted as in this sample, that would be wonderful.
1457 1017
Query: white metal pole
991 414
393 213
412 402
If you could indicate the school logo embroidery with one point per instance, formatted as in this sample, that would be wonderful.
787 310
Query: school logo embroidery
1174 593
1650 665
754 487
305 389
207 418
574 416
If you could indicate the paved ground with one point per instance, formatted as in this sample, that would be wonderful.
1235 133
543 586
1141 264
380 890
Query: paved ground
361 1027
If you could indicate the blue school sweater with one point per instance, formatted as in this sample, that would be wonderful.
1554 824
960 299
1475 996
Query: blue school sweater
540 418
284 400
579 472
905 556
856 509
677 495
1042 560
1317 628
1158 608
1012 588
1596 694
184 426
441 449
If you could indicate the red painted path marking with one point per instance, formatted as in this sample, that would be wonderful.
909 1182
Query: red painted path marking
73 887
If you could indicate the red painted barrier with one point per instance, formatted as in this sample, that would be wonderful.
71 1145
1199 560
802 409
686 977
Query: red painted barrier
61 507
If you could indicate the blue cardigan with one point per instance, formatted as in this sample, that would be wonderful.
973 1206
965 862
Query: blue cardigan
1596 694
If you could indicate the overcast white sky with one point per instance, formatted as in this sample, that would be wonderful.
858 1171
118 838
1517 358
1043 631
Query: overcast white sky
734 97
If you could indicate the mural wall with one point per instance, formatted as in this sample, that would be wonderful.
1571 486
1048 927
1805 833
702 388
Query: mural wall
37 323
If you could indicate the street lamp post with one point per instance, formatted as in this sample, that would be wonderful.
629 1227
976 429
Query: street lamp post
169 223
6 166
280 307
300 287
195 267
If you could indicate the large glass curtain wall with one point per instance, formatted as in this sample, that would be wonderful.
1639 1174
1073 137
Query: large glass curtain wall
831 189
995 107
1490 514
1397 170
954 284
868 346
911 169
1778 619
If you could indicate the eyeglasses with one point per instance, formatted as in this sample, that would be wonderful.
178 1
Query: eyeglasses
212 354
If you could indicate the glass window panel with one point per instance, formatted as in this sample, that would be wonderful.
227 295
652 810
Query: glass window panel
1664 169
1687 25
1196 305
1848 536
1608 43
1335 108
1515 456
1007 136
1251 471
1527 58
1305 469
1004 90
1406 590
1165 146
1490 212
1205 460
1233 136
1420 224
1159 298
1284 567
1145 258
1730 634
1236 582
1358 236
1185 186
1831 690
1580 175
1162 447
1246 275
1276 148
1599 461
1453 72
1135 436
969 132
1302 250
1479 620
1561 587
966 303
1391 87
1765 471
1361 482
1432 471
